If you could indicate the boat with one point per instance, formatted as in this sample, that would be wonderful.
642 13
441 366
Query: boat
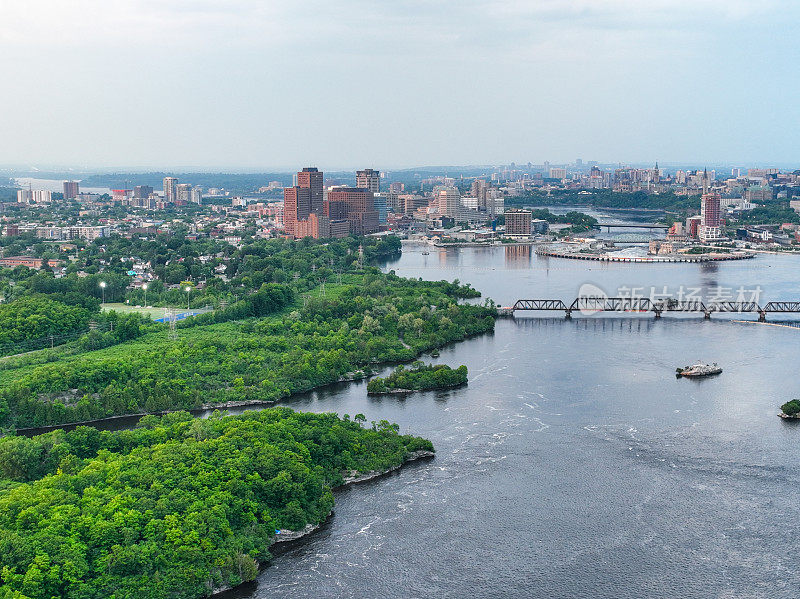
699 369
426 253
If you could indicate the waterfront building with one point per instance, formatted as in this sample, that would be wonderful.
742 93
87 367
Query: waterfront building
449 202
710 219
518 223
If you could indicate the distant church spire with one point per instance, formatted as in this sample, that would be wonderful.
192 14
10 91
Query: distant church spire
705 181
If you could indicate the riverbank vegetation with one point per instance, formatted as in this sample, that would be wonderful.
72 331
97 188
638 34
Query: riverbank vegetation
369 318
419 377
176 507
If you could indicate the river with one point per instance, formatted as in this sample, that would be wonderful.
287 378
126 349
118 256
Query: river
575 464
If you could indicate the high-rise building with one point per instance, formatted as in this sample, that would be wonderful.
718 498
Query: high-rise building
369 179
479 189
310 178
518 223
183 193
170 189
70 190
24 196
142 191
448 202
42 196
197 195
302 199
710 220
355 204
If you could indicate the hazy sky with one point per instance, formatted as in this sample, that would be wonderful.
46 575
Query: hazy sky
345 83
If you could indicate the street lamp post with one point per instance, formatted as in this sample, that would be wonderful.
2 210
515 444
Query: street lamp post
103 287
144 287
188 290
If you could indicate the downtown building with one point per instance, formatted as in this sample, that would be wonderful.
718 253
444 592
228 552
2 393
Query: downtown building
301 201
369 179
355 205
518 223
710 226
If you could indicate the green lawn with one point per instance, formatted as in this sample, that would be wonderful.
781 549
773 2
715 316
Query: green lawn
152 312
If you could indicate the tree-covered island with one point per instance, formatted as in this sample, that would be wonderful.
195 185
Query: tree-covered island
177 507
419 377
790 409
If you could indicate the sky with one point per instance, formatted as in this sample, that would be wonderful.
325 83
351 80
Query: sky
279 84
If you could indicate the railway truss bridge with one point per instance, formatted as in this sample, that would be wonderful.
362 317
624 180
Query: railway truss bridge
592 305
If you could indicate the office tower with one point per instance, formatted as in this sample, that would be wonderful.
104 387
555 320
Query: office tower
369 179
355 205
170 189
449 202
70 190
303 199
518 223
310 178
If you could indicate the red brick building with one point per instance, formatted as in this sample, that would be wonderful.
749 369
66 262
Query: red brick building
354 204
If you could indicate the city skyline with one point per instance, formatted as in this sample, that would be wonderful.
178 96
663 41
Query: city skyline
164 84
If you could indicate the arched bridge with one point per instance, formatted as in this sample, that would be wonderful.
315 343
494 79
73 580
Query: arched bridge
646 305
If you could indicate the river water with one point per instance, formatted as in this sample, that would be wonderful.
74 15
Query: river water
575 464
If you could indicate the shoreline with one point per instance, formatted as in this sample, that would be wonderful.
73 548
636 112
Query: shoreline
346 378
291 536
409 391
36 430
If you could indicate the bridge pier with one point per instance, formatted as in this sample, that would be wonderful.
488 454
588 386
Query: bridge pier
568 313
658 313
707 315
762 316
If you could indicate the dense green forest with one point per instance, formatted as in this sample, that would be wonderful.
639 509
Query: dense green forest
419 377
367 319
176 507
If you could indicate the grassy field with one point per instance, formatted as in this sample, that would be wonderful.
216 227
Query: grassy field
125 308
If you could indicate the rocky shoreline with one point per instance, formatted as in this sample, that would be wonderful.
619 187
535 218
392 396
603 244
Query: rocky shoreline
405 391
354 478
